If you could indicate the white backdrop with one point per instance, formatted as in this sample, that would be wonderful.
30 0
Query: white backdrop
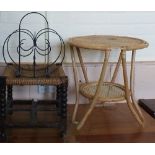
73 23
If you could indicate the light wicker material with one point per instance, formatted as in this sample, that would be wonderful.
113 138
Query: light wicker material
102 90
109 91
56 77
103 42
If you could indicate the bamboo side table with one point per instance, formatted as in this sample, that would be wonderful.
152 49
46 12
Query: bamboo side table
102 91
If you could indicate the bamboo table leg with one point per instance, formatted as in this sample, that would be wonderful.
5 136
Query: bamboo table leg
132 86
127 91
116 70
76 85
101 81
83 67
82 64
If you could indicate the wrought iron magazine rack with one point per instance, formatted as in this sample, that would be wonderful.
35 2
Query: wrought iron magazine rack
34 49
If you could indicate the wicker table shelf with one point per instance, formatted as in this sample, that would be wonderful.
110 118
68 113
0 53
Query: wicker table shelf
57 78
109 91
102 90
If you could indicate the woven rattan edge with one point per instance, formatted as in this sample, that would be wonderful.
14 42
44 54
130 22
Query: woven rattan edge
81 44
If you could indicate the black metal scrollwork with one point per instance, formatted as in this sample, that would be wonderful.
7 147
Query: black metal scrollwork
34 49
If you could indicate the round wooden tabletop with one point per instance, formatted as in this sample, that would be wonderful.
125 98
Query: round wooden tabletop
104 42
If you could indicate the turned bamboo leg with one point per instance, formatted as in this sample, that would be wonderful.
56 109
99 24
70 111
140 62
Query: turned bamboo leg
76 85
132 86
82 64
127 91
100 83
116 70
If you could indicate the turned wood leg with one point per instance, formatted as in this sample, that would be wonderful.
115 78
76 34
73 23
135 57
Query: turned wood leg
2 109
34 113
9 99
58 99
63 97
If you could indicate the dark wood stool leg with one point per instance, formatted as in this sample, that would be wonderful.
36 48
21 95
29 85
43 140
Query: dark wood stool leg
58 99
64 108
34 113
9 99
3 137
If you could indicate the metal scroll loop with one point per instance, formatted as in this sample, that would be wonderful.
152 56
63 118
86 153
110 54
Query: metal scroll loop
34 50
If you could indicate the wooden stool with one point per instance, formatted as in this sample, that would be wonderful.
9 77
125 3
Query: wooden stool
7 103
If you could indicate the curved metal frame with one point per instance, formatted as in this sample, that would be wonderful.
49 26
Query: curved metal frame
34 48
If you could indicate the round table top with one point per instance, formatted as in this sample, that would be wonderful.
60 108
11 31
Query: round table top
104 42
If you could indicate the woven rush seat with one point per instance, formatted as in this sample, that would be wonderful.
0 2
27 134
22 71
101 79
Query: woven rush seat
109 91
56 77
